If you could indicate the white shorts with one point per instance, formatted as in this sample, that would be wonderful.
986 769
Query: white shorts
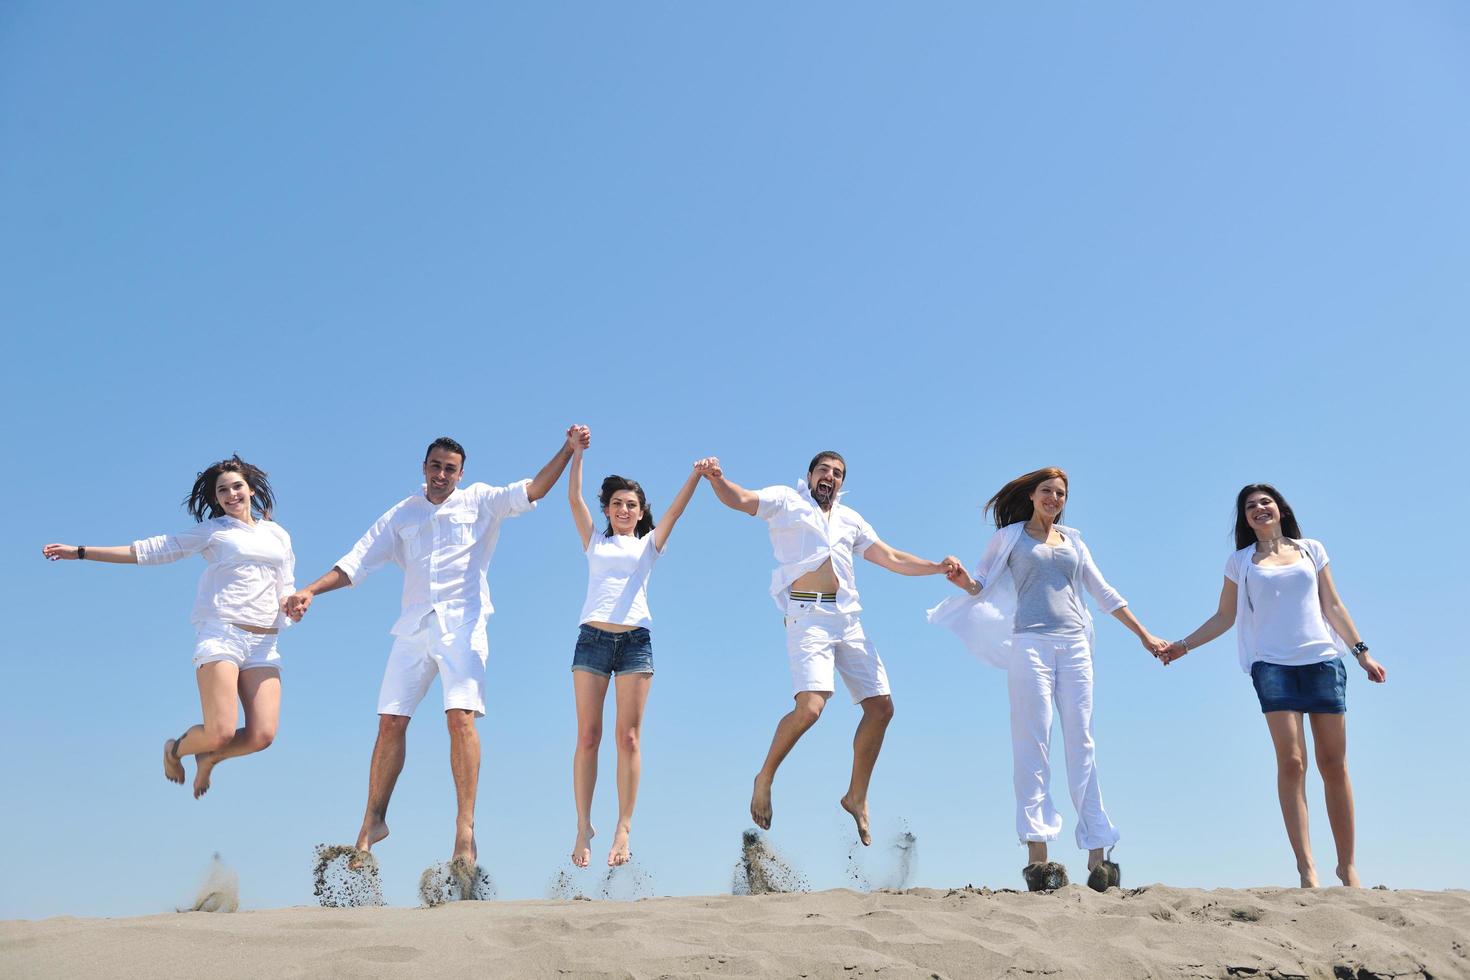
819 638
223 642
457 656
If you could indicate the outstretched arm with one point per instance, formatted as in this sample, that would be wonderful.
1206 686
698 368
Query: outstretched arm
542 482
581 516
114 554
1336 614
1211 628
731 495
296 604
906 564
1151 643
681 500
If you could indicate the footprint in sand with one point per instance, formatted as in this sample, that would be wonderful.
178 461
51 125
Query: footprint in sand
338 886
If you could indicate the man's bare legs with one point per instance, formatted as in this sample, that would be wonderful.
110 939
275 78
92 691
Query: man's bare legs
590 690
382 777
789 730
260 693
1289 738
1329 737
218 691
632 695
464 761
866 743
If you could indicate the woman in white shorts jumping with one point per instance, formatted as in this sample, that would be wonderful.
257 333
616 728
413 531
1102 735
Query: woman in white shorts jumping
237 612
614 640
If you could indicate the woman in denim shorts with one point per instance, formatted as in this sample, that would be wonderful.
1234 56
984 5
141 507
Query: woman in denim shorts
237 611
614 640
1291 626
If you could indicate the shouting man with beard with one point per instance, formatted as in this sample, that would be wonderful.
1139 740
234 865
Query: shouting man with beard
814 537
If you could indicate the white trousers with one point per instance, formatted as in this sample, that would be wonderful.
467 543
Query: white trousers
1044 671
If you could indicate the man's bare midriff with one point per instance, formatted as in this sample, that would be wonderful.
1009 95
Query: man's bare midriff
819 579
262 630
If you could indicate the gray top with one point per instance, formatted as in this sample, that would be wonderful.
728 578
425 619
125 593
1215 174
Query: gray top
1046 597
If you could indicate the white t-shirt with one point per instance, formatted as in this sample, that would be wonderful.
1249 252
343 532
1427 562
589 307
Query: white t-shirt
251 569
618 567
1286 622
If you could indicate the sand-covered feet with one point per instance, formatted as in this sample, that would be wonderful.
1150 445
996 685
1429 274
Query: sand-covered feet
859 811
620 854
374 829
582 849
760 803
1045 877
173 769
346 877
455 881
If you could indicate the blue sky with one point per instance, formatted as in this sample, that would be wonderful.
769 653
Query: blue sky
1172 249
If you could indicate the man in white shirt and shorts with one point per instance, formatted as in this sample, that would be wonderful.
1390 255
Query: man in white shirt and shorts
443 538
815 538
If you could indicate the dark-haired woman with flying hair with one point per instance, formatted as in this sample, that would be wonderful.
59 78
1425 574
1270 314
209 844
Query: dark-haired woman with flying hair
237 611
1024 612
614 641
1291 626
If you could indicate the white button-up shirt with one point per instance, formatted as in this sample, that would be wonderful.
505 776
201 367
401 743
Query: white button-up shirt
443 550
803 536
251 569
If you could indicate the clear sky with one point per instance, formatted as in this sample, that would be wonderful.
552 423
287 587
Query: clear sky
1171 248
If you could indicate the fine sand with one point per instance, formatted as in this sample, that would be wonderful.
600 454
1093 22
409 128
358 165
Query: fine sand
1155 931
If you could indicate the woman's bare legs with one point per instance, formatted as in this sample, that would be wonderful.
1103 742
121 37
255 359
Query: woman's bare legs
218 694
1329 737
590 690
632 695
1289 737
260 693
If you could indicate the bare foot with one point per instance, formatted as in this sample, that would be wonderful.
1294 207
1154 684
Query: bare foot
582 850
1308 875
206 763
173 769
619 853
1348 875
859 811
373 830
760 803
464 846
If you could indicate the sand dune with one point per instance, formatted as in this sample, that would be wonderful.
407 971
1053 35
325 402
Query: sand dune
1155 931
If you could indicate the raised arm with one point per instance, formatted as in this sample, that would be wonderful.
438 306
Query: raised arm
1336 614
731 495
1211 628
113 554
581 516
542 482
904 563
681 500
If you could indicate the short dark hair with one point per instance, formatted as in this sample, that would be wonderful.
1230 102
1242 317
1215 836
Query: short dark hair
448 444
827 455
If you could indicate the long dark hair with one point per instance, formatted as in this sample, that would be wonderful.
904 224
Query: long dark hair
202 501
612 485
1244 535
1012 502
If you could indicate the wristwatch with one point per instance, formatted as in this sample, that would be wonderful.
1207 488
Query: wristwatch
1360 648
81 552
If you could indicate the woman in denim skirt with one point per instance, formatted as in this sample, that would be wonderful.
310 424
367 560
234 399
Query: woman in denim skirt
614 641
1291 626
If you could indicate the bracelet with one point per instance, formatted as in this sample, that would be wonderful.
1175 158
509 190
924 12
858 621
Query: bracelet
1184 645
81 552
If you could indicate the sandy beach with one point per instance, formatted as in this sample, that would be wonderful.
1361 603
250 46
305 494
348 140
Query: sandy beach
1152 931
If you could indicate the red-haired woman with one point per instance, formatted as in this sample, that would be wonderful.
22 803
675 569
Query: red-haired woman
1290 624
237 611
1024 612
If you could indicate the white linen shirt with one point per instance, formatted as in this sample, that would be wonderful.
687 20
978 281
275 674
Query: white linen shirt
803 537
251 569
443 550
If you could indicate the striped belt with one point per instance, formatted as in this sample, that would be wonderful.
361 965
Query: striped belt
814 596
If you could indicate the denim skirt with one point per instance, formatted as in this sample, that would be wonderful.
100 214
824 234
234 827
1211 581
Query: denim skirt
1316 689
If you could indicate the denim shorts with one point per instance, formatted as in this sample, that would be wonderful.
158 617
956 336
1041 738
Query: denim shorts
605 654
1318 689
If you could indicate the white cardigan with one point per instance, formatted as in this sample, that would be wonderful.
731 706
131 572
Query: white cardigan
983 622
